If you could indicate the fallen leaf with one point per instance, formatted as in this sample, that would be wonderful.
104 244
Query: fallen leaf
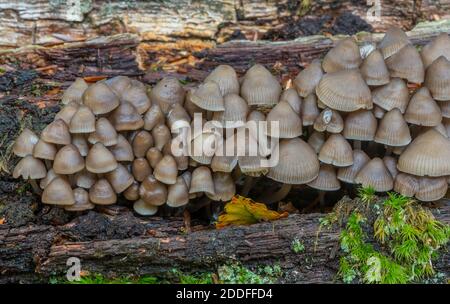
94 78
2 221
244 211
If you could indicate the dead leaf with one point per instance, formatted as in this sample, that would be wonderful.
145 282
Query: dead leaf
91 79
244 211
2 221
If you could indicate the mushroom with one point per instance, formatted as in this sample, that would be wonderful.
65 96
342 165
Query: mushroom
287 122
348 174
100 98
153 156
225 157
166 170
423 110
104 133
360 126
316 141
142 141
118 84
431 188
439 46
45 151
153 192
75 91
79 141
161 136
391 164
132 192
82 202
102 193
393 130
202 181
406 184
309 111
85 179
291 97
260 87
122 151
24 143
345 55
51 175
437 79
374 69
136 94
336 151
407 64
375 174
224 187
191 107
57 132
395 94
226 78
141 208
153 117
330 121
30 169
125 118
120 179
207 96
167 92
325 181
68 160
67 112
178 193
393 41
58 192
83 121
140 169
235 113
307 80
100 159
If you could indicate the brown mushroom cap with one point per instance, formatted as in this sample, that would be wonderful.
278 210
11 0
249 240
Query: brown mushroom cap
153 192
235 113
330 121
102 193
374 69
427 155
203 146
297 163
191 107
224 187
437 79
104 133
202 181
393 130
288 122
132 192
81 201
178 193
375 174
74 92
57 132
445 108
345 55
348 174
207 96
30 168
391 164
141 143
118 84
67 112
167 92
178 118
68 160
51 175
406 184
120 179
353 96
83 121
393 41
161 136
126 118
79 141
100 98
360 125
260 87
58 192
140 169
307 80
316 140
25 142
439 46
431 188
226 78
326 180
309 111
100 159
291 97
395 94
85 179
166 170
153 156
153 117
141 208
136 94
407 64
423 110
225 158
122 151
336 151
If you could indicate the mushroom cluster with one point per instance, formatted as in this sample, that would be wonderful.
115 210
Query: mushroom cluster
117 136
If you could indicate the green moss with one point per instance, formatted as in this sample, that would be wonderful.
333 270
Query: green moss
297 246
238 274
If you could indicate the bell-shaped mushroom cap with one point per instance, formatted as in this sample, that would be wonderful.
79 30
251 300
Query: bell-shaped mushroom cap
191 107
235 113
161 136
260 87
202 181
25 142
406 184
100 159
407 64
393 41
81 201
445 108
348 174
120 179
437 79
326 180
153 156
57 132
104 133
207 96
395 94
136 94
391 164
167 92
118 84
423 110
375 174
83 121
330 121
360 125
307 80
51 175
336 151
178 118
431 188
309 111
374 69
166 170
345 55
85 179
252 165
428 154
141 208
122 151
132 192
226 78
224 186
152 191
30 168
297 163
153 117
141 143
225 158
439 46
79 141
178 193
58 192
203 146
100 98
393 130
283 117
140 169
291 97
316 141
177 149
67 112
74 92
352 96
126 118
378 112
102 193
440 128
68 160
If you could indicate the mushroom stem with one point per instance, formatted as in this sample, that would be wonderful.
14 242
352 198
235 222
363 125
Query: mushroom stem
249 182
187 221
277 196
48 164
204 201
357 144
321 199
35 186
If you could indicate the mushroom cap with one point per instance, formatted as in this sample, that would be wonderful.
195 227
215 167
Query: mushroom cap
57 132
393 41
141 143
297 163
406 184
326 180
161 136
422 110
79 141
67 112
374 69
118 84
439 46
136 94
191 107
427 155
393 130
178 193
375 174
284 117
235 113
207 96
225 157
101 193
306 81
226 78
24 143
81 201
104 133
120 179
202 147
431 188
132 192
291 97
202 181
336 151
152 191
153 156
445 108
140 169
348 174
126 118
407 64
395 94
316 140
141 208
83 121
224 186
44 150
167 92
58 192
252 165
178 118
51 175
360 125
260 87
100 159
122 151
391 164
68 160
30 168
85 179
330 121
309 111
353 96
437 79
153 117
177 149
345 55
100 98
378 112
74 92
166 170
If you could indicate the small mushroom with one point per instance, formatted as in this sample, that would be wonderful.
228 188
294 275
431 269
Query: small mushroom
291 97
407 64
136 94
336 151
393 41
235 113
345 55
375 174
132 192
437 79
118 84
310 111
202 181
51 175
307 80
104 133
83 121
79 141
439 46
100 98
153 117
120 179
100 159
374 69
141 143
286 121
161 136
126 118
260 87
393 130
360 126
25 143
68 160
395 94
30 169
167 92
85 179
58 192
330 121
207 96
74 92
224 187
178 193
325 181
122 151
316 140
153 156
348 174
166 170
82 202
140 169
226 78
431 188
102 193
67 112
153 192
406 184
141 208
57 132
423 110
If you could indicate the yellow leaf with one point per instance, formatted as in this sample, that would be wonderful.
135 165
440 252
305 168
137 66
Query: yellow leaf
2 221
244 211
